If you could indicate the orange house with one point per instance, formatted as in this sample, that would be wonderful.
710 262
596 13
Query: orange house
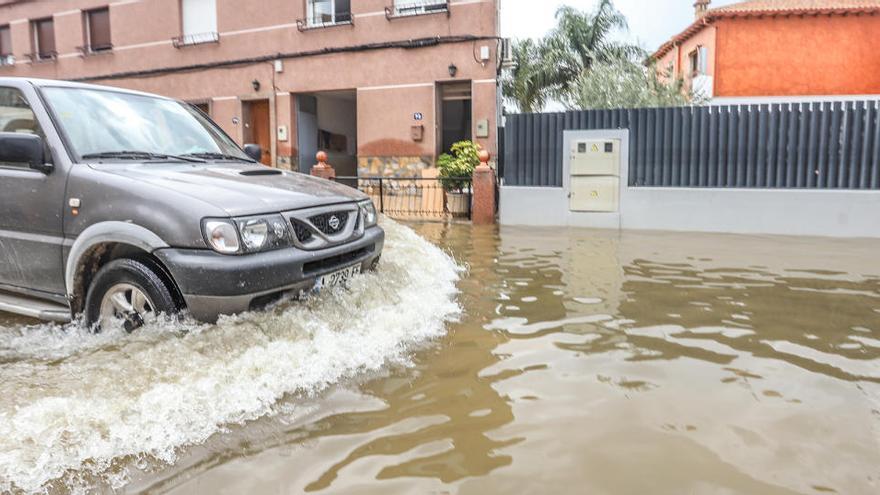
778 48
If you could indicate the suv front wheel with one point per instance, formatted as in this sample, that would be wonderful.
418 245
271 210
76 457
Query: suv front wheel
129 291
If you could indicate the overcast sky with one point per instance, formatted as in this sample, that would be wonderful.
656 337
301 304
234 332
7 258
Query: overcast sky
651 22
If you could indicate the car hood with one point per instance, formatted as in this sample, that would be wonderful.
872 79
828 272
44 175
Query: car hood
237 188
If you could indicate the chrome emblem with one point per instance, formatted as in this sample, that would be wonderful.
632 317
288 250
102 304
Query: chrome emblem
333 222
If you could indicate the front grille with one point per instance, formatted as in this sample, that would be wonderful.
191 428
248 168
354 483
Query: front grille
303 233
327 225
336 261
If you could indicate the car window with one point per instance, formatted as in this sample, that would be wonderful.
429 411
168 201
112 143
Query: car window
104 121
15 113
16 116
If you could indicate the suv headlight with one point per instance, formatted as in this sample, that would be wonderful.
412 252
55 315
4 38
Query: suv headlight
247 234
368 209
221 236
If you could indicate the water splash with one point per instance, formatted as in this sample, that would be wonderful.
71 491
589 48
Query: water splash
74 402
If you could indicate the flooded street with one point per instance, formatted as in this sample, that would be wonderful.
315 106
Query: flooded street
522 360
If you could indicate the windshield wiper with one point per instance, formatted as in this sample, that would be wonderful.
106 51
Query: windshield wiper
212 155
140 155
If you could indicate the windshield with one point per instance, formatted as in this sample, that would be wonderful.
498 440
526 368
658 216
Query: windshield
102 122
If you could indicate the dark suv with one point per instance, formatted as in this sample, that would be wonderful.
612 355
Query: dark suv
125 205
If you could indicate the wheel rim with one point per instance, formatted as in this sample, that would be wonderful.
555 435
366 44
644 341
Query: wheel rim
127 303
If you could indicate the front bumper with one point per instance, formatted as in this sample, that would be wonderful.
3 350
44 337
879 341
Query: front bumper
213 284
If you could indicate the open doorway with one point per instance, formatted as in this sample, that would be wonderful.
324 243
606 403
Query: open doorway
327 121
258 127
455 109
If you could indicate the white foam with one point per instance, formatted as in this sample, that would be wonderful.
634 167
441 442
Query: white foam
74 402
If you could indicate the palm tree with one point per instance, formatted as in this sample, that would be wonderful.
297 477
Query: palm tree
582 39
525 85
549 68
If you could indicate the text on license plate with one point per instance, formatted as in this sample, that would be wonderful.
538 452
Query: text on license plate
340 277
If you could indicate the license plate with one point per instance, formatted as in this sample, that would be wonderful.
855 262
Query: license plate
340 277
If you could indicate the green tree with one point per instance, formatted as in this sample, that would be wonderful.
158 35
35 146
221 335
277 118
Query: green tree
625 84
582 39
460 162
583 63
525 85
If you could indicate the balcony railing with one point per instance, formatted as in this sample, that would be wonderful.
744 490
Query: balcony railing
411 8
325 21
89 50
195 39
47 56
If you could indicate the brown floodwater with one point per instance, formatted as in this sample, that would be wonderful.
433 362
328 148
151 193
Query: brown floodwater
576 361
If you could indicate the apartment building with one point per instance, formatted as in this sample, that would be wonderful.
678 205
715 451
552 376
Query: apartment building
383 86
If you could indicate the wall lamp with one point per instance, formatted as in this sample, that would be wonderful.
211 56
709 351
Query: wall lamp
256 85
453 70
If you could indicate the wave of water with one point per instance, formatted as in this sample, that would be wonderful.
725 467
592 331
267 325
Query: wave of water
72 402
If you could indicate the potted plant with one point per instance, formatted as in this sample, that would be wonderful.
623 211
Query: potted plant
456 169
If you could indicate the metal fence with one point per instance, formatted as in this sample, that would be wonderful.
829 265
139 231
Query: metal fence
417 198
828 145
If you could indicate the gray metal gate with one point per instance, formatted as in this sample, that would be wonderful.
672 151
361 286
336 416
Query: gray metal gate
825 145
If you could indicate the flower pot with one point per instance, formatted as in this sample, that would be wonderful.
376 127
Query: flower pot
458 204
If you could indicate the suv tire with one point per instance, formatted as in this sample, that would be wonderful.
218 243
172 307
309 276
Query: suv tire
130 281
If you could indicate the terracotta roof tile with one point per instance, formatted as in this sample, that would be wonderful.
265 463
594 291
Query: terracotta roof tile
796 5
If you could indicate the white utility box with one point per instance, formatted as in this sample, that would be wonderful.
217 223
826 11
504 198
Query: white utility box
594 193
594 172
595 157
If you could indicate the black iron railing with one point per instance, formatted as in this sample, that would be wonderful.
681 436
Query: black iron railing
195 39
325 21
409 8
417 198
88 50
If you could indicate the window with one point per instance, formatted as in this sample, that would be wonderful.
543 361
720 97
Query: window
327 12
203 107
96 28
699 61
403 8
199 22
16 116
43 32
6 57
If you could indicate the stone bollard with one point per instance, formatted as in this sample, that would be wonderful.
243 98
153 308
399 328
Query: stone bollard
483 212
323 169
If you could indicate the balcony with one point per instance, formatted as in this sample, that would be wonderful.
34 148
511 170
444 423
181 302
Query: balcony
195 39
323 21
412 8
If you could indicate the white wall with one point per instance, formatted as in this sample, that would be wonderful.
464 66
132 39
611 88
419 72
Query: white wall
833 213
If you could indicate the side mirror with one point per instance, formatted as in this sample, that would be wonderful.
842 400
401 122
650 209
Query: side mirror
17 147
254 152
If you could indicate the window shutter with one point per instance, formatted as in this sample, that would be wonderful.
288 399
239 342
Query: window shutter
5 41
46 38
99 29
199 17
704 60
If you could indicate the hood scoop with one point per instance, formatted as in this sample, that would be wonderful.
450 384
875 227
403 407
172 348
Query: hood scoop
260 172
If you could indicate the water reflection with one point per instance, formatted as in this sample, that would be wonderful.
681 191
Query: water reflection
595 362
599 362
